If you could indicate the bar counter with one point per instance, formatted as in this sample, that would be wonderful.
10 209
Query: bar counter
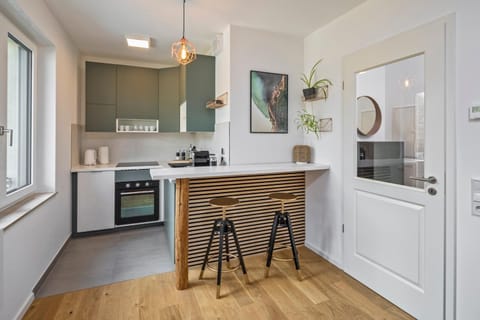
251 184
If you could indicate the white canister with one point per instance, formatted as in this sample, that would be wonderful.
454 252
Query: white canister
90 158
103 155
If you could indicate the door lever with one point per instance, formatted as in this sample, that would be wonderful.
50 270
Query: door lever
3 131
431 180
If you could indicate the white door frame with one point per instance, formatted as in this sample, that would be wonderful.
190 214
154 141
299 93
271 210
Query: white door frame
451 182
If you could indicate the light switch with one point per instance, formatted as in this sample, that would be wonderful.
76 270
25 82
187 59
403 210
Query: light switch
476 197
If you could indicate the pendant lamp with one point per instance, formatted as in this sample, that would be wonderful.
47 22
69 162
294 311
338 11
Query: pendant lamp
183 50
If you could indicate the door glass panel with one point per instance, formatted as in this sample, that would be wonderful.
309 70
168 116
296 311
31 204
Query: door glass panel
391 121
137 205
19 116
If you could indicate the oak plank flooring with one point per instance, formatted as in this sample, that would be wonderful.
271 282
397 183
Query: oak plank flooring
325 293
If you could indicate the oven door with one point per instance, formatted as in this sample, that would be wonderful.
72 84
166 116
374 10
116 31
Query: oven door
137 205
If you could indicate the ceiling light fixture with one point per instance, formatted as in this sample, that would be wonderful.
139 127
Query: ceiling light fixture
138 41
183 50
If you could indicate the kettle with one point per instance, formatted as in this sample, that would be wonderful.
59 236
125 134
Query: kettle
90 158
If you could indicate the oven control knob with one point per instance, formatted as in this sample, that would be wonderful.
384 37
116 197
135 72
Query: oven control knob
127 185
147 184
137 184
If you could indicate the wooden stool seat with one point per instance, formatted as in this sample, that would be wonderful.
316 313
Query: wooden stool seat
283 196
223 202
223 227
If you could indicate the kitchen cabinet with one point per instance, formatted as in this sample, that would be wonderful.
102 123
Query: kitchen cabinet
101 96
197 87
169 99
95 201
137 93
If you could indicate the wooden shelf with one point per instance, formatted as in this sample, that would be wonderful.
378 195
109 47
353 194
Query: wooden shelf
220 101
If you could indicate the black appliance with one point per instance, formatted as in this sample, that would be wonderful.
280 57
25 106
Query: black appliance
201 158
137 164
136 197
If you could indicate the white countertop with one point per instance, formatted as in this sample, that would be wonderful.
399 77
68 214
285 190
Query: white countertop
109 167
233 170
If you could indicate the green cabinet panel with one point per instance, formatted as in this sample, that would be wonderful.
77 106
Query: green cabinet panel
101 83
169 99
200 87
100 117
137 93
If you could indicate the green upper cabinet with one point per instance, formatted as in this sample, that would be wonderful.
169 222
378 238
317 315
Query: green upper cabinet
199 81
169 100
176 96
101 96
137 93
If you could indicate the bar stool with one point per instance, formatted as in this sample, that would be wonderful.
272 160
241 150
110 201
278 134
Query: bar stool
282 219
223 227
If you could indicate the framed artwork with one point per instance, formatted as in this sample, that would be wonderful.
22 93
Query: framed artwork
268 102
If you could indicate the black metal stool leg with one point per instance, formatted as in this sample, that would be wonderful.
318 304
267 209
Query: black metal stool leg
220 252
239 252
271 243
205 260
294 247
227 248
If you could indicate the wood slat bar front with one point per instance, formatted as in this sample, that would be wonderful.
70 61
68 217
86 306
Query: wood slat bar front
253 216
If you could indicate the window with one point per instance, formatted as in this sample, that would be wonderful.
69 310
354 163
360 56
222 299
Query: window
19 116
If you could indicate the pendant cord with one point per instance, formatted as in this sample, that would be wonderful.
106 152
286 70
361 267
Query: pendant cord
183 33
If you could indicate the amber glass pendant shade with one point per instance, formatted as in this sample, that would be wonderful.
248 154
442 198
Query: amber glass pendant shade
183 50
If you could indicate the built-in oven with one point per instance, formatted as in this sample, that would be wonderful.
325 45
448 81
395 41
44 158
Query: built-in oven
136 197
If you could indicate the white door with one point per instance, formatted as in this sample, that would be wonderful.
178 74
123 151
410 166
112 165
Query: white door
394 223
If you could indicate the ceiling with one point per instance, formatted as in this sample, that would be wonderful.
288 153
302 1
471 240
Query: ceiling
98 28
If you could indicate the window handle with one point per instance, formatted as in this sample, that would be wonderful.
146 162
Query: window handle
3 131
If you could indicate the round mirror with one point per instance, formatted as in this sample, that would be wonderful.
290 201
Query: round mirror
369 116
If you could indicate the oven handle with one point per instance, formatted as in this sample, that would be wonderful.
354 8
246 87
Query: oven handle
136 192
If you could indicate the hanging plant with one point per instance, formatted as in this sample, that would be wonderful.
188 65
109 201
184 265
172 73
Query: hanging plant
308 122
313 85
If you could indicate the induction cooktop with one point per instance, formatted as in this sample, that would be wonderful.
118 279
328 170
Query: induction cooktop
138 164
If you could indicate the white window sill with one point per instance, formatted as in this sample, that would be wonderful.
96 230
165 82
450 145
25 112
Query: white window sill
11 215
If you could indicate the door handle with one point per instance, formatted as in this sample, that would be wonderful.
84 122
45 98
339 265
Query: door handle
3 130
431 179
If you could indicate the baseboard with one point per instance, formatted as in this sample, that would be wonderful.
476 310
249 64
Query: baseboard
24 307
49 268
321 253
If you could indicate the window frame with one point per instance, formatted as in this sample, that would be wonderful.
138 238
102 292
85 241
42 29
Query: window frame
10 31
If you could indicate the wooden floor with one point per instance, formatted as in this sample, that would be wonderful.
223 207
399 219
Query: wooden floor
325 293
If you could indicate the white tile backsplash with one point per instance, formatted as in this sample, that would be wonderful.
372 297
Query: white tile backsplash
129 147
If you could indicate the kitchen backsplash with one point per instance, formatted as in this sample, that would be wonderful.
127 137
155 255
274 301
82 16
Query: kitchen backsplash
132 147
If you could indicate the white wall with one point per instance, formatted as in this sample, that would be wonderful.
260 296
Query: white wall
367 24
30 245
468 163
262 51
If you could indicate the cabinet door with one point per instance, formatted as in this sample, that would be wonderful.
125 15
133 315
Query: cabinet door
169 99
137 93
101 96
200 87
100 117
101 83
95 201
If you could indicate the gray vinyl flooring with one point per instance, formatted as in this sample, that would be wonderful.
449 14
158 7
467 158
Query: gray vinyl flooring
98 260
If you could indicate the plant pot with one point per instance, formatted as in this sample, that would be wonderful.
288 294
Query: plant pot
310 93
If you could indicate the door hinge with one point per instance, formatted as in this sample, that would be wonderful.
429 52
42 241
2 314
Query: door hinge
343 228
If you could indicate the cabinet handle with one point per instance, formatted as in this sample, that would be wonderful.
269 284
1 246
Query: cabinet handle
136 192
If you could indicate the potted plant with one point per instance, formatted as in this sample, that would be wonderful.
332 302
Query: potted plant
308 122
312 85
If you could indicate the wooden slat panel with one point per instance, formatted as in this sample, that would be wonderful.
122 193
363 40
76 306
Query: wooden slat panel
253 216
